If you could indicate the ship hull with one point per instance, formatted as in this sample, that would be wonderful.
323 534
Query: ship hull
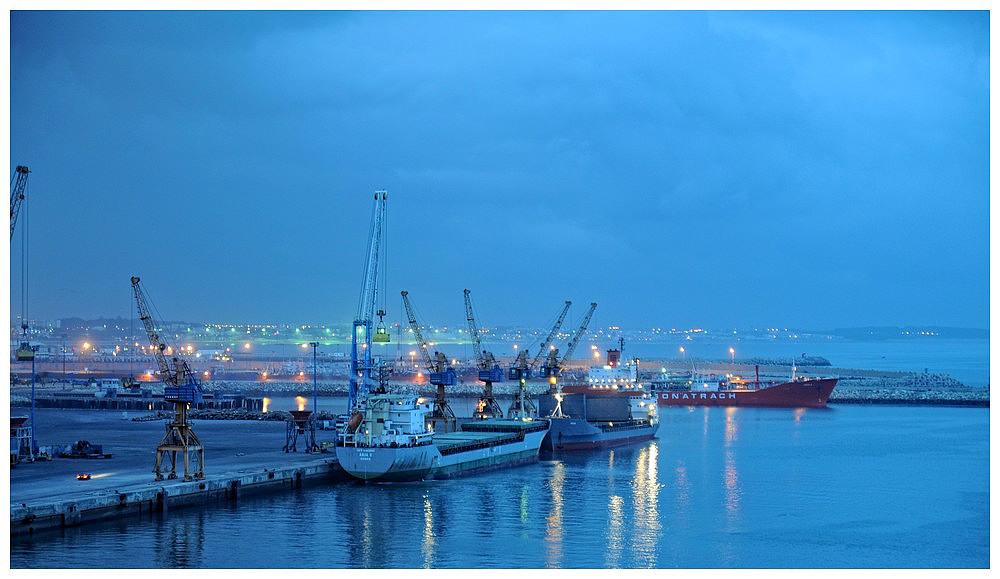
807 394
427 462
578 434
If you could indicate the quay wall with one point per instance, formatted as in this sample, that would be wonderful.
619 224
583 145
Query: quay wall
78 509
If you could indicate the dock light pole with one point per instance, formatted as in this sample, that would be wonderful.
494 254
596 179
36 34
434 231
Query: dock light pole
32 448
315 398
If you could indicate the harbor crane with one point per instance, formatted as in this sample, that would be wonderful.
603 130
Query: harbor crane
522 370
365 331
554 363
441 374
180 387
24 351
17 194
489 370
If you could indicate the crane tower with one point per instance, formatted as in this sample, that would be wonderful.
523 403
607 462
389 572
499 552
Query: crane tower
441 374
489 370
180 387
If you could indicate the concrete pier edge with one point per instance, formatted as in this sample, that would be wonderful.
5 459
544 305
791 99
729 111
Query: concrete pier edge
161 496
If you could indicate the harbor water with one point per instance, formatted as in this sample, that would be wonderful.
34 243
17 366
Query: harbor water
848 486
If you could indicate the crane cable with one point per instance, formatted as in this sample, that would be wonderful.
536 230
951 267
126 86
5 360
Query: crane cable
24 266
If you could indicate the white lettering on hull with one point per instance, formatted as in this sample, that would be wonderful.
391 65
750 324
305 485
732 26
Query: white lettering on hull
698 395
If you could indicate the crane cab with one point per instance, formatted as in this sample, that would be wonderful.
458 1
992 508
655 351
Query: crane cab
24 352
381 335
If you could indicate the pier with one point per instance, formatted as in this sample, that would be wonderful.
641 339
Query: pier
241 457
76 507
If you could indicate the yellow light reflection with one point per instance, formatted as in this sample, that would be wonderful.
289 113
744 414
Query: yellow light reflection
427 546
733 491
267 402
645 498
616 526
524 505
553 526
732 426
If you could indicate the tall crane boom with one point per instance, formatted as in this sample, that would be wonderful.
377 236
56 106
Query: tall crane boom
415 326
154 338
543 350
470 317
364 332
553 364
180 387
579 334
441 374
489 370
17 195
369 283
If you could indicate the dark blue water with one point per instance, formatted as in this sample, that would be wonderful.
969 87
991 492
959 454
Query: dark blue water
851 486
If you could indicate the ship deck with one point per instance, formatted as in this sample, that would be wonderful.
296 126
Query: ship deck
485 433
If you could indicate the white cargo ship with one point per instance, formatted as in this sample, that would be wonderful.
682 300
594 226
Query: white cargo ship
389 440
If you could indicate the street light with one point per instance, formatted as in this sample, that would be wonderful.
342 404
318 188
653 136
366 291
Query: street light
682 353
315 398
732 354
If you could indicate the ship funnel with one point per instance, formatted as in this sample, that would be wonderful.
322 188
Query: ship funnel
614 358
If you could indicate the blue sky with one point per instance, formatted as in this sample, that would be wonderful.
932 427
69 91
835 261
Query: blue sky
721 169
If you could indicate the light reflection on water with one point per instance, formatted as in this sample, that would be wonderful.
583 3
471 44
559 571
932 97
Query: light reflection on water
428 543
616 531
554 522
739 489
645 498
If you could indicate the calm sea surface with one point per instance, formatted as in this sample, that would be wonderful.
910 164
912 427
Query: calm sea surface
850 486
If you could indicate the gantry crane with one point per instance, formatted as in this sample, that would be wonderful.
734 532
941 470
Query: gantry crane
180 387
440 374
24 351
489 370
365 331
521 370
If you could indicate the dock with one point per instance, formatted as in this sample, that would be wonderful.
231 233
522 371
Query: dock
79 507
242 457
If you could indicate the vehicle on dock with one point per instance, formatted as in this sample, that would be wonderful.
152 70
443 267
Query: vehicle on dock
389 440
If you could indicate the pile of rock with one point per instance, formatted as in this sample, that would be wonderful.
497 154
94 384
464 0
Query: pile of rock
909 388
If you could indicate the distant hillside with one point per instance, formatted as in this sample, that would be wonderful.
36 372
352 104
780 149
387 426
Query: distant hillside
905 332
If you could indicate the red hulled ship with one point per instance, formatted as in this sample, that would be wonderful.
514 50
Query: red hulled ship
734 392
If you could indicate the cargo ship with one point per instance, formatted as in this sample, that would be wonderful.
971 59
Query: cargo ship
733 391
611 408
389 440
